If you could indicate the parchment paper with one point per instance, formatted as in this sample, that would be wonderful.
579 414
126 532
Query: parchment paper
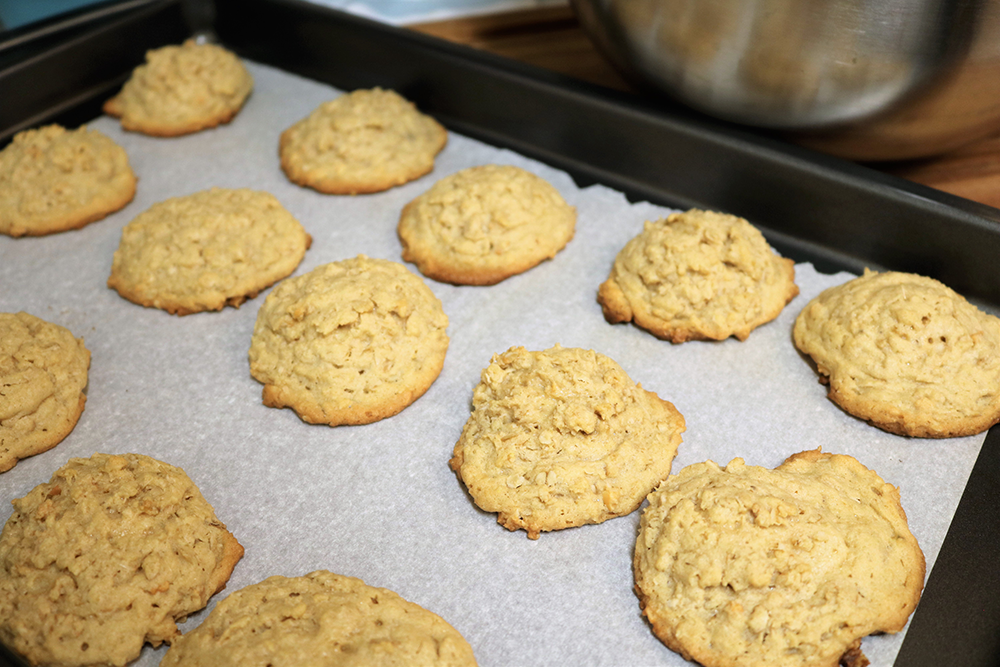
379 501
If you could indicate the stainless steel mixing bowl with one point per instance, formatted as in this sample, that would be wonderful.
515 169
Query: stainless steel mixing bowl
864 79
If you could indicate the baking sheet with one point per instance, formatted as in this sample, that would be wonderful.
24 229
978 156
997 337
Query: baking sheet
379 501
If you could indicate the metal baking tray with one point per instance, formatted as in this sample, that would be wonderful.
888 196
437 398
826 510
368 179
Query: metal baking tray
835 214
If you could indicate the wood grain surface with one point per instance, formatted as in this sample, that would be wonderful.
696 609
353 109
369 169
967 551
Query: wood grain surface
551 38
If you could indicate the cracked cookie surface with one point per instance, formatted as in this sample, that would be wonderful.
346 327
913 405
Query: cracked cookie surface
906 353
207 250
361 142
350 342
484 224
746 566
317 620
563 438
698 275
182 89
105 557
53 179
43 375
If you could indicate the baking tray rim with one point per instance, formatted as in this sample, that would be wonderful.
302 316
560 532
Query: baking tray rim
975 525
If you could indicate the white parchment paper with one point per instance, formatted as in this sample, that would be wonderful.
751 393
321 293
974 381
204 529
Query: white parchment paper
379 501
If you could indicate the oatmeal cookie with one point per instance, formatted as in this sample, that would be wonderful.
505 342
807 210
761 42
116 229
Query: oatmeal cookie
43 375
208 250
484 224
182 89
317 620
53 179
106 556
905 353
698 275
563 438
350 342
361 142
746 566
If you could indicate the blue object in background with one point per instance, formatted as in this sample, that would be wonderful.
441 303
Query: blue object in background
401 12
16 13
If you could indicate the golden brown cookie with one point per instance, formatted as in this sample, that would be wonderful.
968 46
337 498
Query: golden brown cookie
698 275
484 224
361 142
43 375
350 342
905 353
779 568
53 179
182 89
208 250
563 438
106 556
318 620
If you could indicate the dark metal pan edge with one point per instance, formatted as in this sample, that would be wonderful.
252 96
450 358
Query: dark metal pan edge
826 210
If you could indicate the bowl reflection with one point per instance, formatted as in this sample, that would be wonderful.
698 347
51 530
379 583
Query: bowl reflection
864 79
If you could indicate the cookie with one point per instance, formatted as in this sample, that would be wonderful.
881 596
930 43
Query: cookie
484 224
350 342
317 620
563 438
106 556
43 375
182 89
698 275
53 179
788 567
361 142
905 353
208 250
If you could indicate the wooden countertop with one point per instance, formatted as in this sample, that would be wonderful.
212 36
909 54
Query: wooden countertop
552 38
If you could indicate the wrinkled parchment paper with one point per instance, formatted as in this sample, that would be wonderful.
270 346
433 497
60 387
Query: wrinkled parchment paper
379 501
